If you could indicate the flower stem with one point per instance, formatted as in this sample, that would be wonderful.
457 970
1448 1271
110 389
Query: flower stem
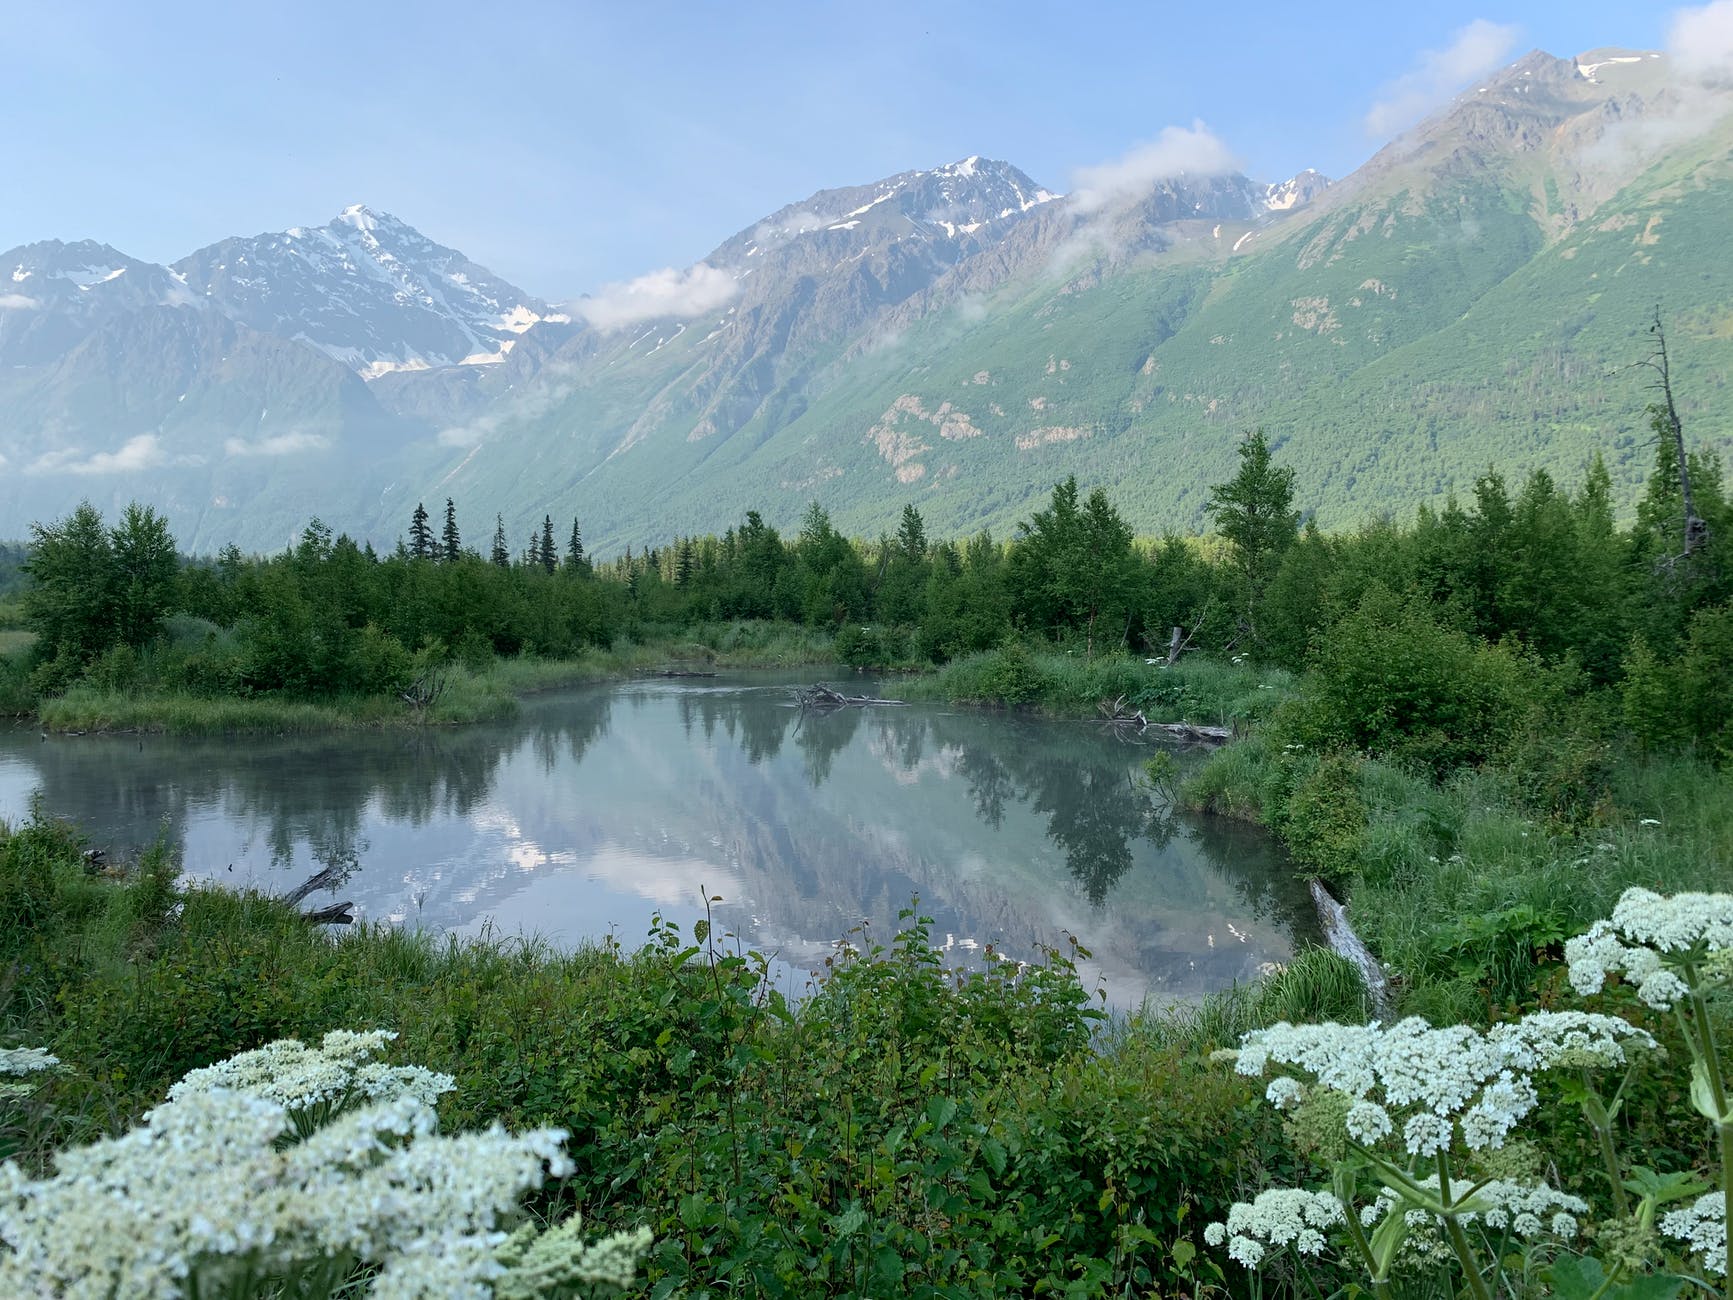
1357 1234
1717 1092
1458 1238
1595 1110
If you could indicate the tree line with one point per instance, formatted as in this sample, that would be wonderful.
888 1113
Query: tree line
1539 568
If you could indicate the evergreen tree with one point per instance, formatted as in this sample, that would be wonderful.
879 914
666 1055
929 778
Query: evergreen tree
451 547
1255 512
500 556
575 549
683 562
420 534
549 557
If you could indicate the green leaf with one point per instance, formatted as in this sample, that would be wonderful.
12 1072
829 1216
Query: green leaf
1703 1096
941 1110
701 930
1183 1253
993 1152
1579 1277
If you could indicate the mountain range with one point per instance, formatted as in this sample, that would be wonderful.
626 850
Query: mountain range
957 337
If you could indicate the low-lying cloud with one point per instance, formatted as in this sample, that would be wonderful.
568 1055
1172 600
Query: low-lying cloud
140 453
17 302
1192 150
1700 41
1438 75
668 294
551 388
282 444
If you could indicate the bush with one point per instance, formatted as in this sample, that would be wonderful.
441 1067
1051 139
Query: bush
1324 820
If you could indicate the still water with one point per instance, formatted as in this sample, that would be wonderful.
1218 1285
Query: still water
598 807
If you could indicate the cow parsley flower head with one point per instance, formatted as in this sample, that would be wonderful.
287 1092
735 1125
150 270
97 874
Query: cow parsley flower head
20 1061
1283 1092
1645 930
1703 1227
335 1072
207 1183
1279 1216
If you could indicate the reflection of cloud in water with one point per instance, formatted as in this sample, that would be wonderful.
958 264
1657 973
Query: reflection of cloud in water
604 805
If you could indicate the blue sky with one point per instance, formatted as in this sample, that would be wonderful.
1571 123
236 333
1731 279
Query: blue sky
569 145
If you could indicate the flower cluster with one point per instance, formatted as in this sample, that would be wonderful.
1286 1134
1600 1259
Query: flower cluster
300 1077
1281 1216
20 1061
1646 929
1703 1227
1442 1078
210 1193
1525 1211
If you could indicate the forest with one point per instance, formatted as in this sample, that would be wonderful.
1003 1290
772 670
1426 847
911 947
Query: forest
1492 728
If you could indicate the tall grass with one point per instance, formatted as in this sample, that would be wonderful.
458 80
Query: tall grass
1196 690
1463 893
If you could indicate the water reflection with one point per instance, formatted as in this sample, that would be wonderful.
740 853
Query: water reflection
598 807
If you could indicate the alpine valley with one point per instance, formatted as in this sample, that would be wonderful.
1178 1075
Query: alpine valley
959 337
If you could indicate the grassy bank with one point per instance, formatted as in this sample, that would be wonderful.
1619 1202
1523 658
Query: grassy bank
899 1131
1196 690
471 693
1460 886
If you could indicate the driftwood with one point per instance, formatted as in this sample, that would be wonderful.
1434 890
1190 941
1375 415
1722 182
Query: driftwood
1197 735
672 672
820 696
1117 715
336 914
425 690
327 878
1345 943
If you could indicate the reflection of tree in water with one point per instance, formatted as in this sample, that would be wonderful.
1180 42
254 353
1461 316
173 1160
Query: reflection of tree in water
315 790
758 725
821 737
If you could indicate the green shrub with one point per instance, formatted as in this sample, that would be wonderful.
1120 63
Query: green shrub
1324 819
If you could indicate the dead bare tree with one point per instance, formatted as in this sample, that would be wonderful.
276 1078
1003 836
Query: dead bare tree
1664 414
424 692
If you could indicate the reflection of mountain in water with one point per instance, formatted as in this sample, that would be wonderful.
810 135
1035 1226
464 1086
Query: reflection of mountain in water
603 804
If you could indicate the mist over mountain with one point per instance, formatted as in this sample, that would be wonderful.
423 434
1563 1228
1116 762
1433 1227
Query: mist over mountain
958 336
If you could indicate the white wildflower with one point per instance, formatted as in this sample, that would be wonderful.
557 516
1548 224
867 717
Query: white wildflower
1703 1227
1647 934
1426 1134
19 1061
208 1181
1368 1122
1279 1216
1283 1092
1544 1040
1564 1226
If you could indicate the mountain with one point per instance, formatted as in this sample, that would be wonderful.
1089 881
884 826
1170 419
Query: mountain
958 337
366 290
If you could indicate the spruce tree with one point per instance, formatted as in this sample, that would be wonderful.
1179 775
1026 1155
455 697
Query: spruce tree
575 547
500 555
420 535
451 546
549 557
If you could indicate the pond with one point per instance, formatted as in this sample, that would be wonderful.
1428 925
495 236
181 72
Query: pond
599 807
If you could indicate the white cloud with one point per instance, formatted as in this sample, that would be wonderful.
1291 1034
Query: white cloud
552 387
667 294
1701 41
1192 150
142 452
282 444
1437 75
17 302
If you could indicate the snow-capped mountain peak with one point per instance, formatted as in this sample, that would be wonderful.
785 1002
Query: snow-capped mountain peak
1296 191
367 289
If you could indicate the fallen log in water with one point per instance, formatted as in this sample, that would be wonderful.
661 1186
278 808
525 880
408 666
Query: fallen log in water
336 914
1345 943
671 672
1197 734
820 696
